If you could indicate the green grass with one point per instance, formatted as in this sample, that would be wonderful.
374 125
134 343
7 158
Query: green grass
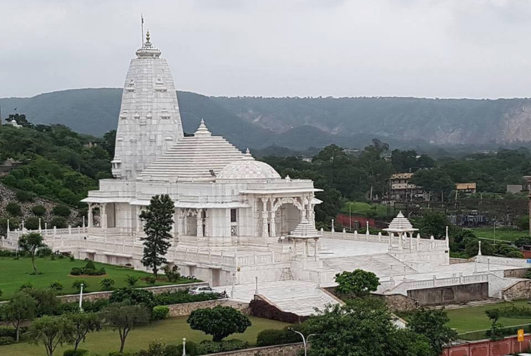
474 318
502 233
170 331
365 209
13 273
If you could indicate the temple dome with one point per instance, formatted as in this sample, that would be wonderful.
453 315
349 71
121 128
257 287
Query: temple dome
248 168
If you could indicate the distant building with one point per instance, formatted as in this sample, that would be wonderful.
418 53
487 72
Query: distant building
13 123
467 188
402 189
514 188
8 165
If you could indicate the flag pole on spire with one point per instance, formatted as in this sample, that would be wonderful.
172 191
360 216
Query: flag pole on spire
142 27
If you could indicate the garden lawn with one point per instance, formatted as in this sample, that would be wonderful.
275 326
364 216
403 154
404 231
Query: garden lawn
474 318
13 273
502 233
169 331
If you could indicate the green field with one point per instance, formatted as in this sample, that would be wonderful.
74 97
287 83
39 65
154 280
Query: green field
365 209
502 233
169 331
474 318
16 272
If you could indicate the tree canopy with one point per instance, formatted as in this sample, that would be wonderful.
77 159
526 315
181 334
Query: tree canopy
219 322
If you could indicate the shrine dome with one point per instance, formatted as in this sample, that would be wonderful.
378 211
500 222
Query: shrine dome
248 168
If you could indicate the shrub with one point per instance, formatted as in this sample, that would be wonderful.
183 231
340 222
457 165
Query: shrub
26 285
151 280
38 210
44 252
61 210
270 337
7 340
7 331
76 271
59 222
131 280
90 265
133 296
78 352
177 350
56 285
515 254
32 223
211 347
179 297
14 209
172 273
77 285
107 283
160 312
24 196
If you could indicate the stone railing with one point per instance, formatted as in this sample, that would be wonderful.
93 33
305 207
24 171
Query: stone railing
416 243
404 286
504 261
66 239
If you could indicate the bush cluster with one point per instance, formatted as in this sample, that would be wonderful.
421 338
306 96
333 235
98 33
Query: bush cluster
179 297
270 337
78 352
160 312
211 347
89 270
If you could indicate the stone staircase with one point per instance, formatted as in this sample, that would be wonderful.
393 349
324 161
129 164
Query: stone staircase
296 297
380 264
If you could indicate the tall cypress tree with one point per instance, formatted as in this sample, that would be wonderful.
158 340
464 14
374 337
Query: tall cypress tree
158 219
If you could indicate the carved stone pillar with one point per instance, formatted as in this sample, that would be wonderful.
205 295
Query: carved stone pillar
199 221
90 215
264 217
103 215
272 222
138 220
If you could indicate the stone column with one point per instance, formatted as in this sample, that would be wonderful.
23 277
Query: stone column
138 220
272 221
199 221
264 217
103 215
180 226
90 216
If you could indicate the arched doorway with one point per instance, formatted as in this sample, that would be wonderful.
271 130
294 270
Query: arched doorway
287 217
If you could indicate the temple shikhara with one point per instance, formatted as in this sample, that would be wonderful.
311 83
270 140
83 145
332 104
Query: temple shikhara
242 227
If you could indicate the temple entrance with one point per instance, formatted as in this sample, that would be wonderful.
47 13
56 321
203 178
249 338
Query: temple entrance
287 217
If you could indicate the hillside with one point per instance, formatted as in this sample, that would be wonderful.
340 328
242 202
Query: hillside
300 123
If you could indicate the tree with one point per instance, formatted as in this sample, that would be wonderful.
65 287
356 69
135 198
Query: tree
433 325
158 219
19 308
434 223
14 209
84 323
360 283
125 318
46 299
52 331
31 243
361 327
219 322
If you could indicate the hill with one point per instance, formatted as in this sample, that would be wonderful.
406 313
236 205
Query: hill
300 123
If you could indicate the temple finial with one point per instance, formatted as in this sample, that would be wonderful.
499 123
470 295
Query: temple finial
148 37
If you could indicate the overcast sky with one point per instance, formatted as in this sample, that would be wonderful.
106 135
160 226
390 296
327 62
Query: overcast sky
423 48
